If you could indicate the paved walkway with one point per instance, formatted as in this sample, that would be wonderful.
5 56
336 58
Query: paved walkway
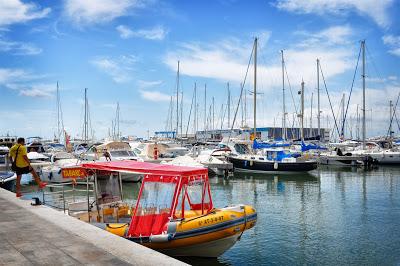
28 239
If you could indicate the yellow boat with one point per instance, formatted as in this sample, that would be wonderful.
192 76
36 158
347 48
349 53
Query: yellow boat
174 213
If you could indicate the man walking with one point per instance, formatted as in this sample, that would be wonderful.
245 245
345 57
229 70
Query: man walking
19 156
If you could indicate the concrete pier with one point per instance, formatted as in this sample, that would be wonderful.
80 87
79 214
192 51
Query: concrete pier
39 235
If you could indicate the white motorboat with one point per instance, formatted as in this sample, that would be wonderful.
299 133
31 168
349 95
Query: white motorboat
3 155
380 155
113 151
53 172
347 159
7 180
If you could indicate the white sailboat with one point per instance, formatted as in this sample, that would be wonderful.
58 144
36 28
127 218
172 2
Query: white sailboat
277 161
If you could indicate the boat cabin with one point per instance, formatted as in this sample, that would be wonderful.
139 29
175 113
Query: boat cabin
167 193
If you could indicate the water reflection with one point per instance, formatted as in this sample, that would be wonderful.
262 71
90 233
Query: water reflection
330 216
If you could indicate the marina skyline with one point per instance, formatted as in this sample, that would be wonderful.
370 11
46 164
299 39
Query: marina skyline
127 52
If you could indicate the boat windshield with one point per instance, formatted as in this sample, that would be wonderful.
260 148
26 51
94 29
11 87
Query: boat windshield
109 190
156 198
163 198
242 148
194 199
154 206
122 153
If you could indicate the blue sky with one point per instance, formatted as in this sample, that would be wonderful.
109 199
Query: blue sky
127 51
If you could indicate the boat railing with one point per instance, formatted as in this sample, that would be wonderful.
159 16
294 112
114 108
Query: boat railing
70 196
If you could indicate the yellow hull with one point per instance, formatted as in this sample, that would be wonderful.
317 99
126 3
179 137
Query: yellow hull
207 235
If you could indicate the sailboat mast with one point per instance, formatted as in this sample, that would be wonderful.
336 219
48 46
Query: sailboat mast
302 111
195 109
229 106
245 105
241 107
343 125
284 136
319 107
358 124
177 102
213 117
255 89
182 113
363 84
118 132
205 110
170 114
85 123
390 120
58 114
311 128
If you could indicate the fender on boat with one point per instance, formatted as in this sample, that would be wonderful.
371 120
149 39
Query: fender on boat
161 238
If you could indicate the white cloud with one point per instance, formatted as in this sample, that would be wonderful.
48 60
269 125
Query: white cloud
221 61
9 75
157 33
25 83
37 93
378 11
16 11
98 11
19 48
155 96
37 90
393 42
147 84
119 68
329 36
227 61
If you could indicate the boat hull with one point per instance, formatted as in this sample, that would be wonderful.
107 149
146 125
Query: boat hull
210 249
207 235
272 167
350 161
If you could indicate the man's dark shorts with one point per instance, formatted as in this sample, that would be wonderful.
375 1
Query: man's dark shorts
23 170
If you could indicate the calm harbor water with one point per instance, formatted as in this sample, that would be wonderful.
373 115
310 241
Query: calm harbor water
330 216
326 217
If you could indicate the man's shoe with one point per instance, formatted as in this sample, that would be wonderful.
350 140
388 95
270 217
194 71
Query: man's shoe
42 184
18 194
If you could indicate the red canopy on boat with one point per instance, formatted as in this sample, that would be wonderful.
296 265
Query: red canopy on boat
145 168
169 189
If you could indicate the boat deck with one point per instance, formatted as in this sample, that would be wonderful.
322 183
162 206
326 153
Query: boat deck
38 235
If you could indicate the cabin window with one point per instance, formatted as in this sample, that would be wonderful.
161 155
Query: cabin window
154 208
241 148
196 199
109 191
156 198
